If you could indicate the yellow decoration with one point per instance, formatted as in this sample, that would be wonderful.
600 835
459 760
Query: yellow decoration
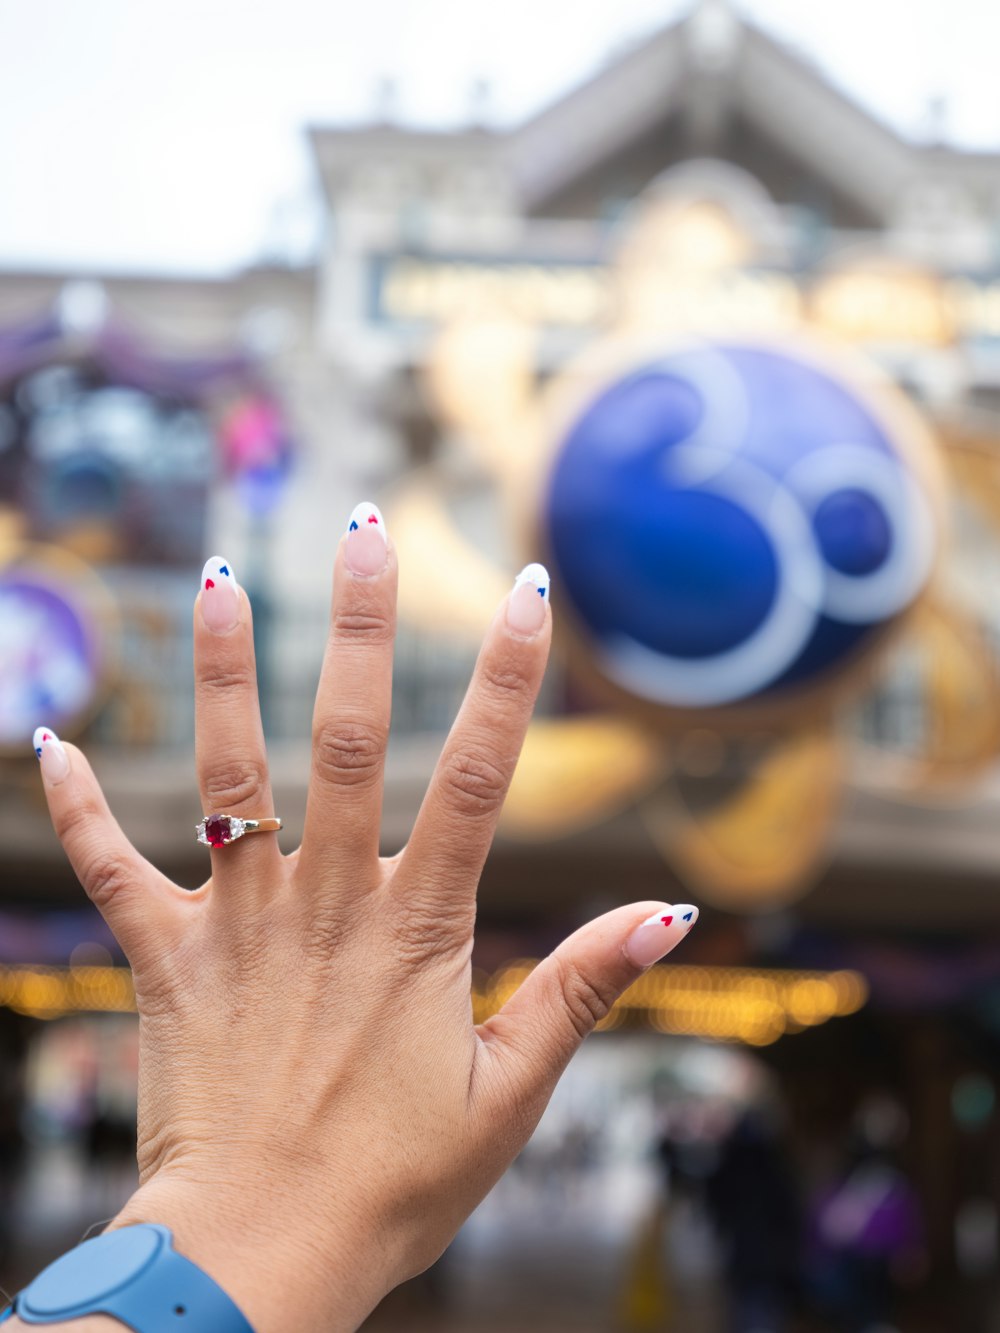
959 690
480 376
576 770
762 844
885 301
445 584
647 1301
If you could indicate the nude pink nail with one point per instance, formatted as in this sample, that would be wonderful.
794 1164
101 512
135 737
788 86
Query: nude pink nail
660 933
51 755
366 550
220 595
526 603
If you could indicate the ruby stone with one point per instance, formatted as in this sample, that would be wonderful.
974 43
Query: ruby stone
217 830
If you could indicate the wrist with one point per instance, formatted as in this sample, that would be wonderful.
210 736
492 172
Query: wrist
281 1275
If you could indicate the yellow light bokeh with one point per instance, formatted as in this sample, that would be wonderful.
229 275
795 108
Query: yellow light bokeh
730 1004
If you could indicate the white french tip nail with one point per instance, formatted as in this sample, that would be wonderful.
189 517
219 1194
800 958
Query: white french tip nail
653 938
365 516
538 576
41 735
50 753
217 567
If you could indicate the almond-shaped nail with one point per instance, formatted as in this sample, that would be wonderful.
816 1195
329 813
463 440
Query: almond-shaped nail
51 755
220 595
367 547
660 933
526 603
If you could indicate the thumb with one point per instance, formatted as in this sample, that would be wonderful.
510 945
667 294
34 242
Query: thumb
543 1024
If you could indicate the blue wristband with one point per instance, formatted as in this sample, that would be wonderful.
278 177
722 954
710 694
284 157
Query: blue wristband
136 1276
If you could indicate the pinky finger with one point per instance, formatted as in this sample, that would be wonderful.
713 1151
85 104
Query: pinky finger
135 899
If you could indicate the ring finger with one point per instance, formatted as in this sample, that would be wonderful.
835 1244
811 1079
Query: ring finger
229 740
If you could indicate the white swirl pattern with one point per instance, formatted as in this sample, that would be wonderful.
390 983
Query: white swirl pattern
808 587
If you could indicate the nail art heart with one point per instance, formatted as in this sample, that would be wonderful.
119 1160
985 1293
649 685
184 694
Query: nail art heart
209 583
666 920
224 569
688 916
353 527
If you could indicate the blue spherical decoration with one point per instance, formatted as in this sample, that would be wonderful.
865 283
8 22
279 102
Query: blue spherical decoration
732 521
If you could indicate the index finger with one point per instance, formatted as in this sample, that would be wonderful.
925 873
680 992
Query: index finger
440 866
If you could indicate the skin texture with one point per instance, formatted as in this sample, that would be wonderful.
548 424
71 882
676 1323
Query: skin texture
317 1112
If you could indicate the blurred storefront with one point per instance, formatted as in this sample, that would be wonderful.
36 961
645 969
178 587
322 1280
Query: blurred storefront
708 183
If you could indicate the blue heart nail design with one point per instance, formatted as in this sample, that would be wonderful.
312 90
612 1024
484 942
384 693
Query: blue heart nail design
353 527
688 916
224 569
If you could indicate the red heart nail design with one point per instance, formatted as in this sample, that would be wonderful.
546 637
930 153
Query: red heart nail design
209 583
666 920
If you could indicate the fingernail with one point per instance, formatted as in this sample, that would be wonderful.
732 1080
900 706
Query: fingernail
660 933
220 595
367 547
526 603
51 755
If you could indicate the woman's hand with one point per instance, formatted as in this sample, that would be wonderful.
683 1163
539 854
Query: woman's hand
317 1112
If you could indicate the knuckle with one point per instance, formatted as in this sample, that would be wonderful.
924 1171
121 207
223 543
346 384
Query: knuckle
364 623
586 1001
75 821
234 783
224 678
348 754
325 939
504 683
105 875
474 784
425 932
418 939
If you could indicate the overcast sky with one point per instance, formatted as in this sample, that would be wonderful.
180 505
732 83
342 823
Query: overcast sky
166 134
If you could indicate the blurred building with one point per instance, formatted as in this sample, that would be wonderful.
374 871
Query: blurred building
890 245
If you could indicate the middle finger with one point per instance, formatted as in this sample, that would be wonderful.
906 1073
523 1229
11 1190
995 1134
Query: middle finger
353 704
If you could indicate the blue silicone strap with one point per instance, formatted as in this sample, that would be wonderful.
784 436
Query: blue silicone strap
136 1276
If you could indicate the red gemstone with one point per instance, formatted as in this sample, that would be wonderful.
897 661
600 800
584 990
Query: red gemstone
217 830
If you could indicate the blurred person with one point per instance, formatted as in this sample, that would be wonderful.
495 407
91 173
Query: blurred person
756 1216
317 1113
13 1050
866 1232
